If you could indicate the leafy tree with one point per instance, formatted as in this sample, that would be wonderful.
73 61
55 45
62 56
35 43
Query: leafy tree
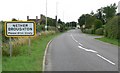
110 11
51 22
97 24
81 20
73 23
92 13
59 21
89 21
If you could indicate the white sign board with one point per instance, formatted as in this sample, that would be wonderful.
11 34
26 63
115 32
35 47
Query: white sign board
18 29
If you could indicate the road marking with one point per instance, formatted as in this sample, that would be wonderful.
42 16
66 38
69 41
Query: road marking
80 44
76 40
97 55
89 50
44 57
106 59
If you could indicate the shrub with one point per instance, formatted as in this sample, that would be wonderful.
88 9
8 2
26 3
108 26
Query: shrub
112 28
99 31
89 31
62 28
52 28
97 24
40 28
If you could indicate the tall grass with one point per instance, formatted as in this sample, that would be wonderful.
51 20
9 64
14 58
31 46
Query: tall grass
30 57
16 42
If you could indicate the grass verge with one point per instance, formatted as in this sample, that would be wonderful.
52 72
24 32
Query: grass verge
108 40
30 58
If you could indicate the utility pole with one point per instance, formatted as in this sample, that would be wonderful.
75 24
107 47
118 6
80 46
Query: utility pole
63 15
56 14
46 17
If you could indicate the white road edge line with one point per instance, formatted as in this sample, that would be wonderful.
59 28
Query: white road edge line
45 53
106 59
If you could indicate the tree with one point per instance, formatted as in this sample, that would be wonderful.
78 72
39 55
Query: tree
59 21
97 24
81 20
100 16
89 21
51 22
92 13
110 11
73 23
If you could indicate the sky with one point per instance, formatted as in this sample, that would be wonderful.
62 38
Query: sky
66 10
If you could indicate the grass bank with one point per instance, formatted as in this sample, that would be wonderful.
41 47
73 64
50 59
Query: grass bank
30 58
108 40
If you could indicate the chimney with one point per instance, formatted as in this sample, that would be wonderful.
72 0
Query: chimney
27 18
36 17
41 16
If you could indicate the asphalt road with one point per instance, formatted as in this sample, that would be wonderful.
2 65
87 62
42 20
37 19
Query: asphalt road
75 51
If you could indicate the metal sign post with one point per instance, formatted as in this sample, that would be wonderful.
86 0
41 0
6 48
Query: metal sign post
29 42
10 47
29 45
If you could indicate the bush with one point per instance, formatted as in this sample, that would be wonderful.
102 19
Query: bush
89 31
40 28
99 31
97 24
62 28
52 28
112 28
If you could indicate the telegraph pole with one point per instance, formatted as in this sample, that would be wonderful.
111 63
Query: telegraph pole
46 17
56 14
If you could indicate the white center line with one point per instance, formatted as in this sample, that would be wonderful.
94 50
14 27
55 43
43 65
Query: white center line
106 59
76 40
89 50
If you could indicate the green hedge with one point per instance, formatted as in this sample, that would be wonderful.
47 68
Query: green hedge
89 31
112 28
99 31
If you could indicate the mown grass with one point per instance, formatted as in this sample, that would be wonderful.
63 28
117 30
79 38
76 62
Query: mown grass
30 58
108 40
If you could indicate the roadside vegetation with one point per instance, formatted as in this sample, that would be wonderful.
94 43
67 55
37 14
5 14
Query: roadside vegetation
25 57
28 58
109 40
105 22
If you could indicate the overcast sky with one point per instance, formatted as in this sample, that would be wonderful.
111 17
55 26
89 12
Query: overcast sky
67 10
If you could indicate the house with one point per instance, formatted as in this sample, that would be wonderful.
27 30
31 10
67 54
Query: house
37 20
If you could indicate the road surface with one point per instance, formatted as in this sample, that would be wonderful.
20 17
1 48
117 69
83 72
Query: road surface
75 51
